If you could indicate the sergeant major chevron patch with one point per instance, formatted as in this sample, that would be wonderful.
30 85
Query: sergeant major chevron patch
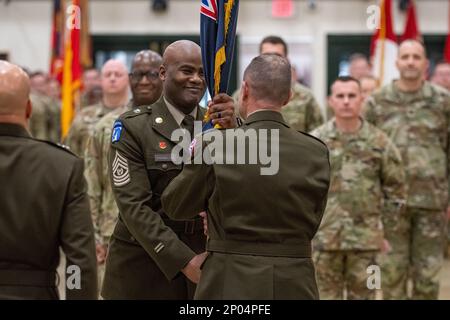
121 173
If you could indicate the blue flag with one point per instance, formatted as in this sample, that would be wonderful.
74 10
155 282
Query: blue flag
218 20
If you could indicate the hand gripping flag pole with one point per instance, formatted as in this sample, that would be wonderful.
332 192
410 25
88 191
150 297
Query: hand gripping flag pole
218 20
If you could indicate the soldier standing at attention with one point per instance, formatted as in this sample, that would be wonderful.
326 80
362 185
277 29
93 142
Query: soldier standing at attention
92 88
367 194
114 79
416 116
302 112
55 213
146 88
259 246
151 256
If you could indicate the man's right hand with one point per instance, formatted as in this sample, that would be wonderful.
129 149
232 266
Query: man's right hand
192 269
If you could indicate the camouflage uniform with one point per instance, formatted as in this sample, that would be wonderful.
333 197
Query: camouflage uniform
419 124
103 205
367 193
302 112
54 120
82 127
45 118
38 120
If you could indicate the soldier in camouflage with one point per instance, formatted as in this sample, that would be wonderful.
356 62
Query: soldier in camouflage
302 113
366 196
38 120
92 89
146 88
115 95
416 116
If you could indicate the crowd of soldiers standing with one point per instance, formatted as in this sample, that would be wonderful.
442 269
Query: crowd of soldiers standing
389 153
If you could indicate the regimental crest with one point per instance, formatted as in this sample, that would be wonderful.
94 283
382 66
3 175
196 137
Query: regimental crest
209 9
121 172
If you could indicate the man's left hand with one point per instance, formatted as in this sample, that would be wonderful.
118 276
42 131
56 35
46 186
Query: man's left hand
221 111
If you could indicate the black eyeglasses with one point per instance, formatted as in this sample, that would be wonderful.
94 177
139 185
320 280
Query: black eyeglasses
151 75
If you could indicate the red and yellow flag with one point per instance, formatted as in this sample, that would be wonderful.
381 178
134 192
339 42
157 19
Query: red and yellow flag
57 41
72 69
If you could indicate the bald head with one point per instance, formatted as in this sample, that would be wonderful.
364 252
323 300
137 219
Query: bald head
182 75
14 90
146 86
114 78
114 64
146 57
175 52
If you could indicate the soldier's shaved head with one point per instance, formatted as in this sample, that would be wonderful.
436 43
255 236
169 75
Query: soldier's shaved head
146 86
114 78
175 52
114 64
14 93
147 56
182 75
412 43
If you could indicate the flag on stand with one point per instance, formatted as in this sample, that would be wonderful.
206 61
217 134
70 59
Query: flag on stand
384 46
218 20
72 68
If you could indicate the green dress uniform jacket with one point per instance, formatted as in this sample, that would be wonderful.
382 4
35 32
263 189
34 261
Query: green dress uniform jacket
260 226
147 249
43 207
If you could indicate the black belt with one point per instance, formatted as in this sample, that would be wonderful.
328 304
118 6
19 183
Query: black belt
270 249
29 278
188 227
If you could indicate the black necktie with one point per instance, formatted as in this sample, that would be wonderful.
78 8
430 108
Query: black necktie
188 124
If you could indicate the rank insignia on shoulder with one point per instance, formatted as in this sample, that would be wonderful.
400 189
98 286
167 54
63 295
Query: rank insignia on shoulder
117 131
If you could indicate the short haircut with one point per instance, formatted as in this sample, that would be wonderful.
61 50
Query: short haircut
358 56
269 78
416 41
274 40
345 79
